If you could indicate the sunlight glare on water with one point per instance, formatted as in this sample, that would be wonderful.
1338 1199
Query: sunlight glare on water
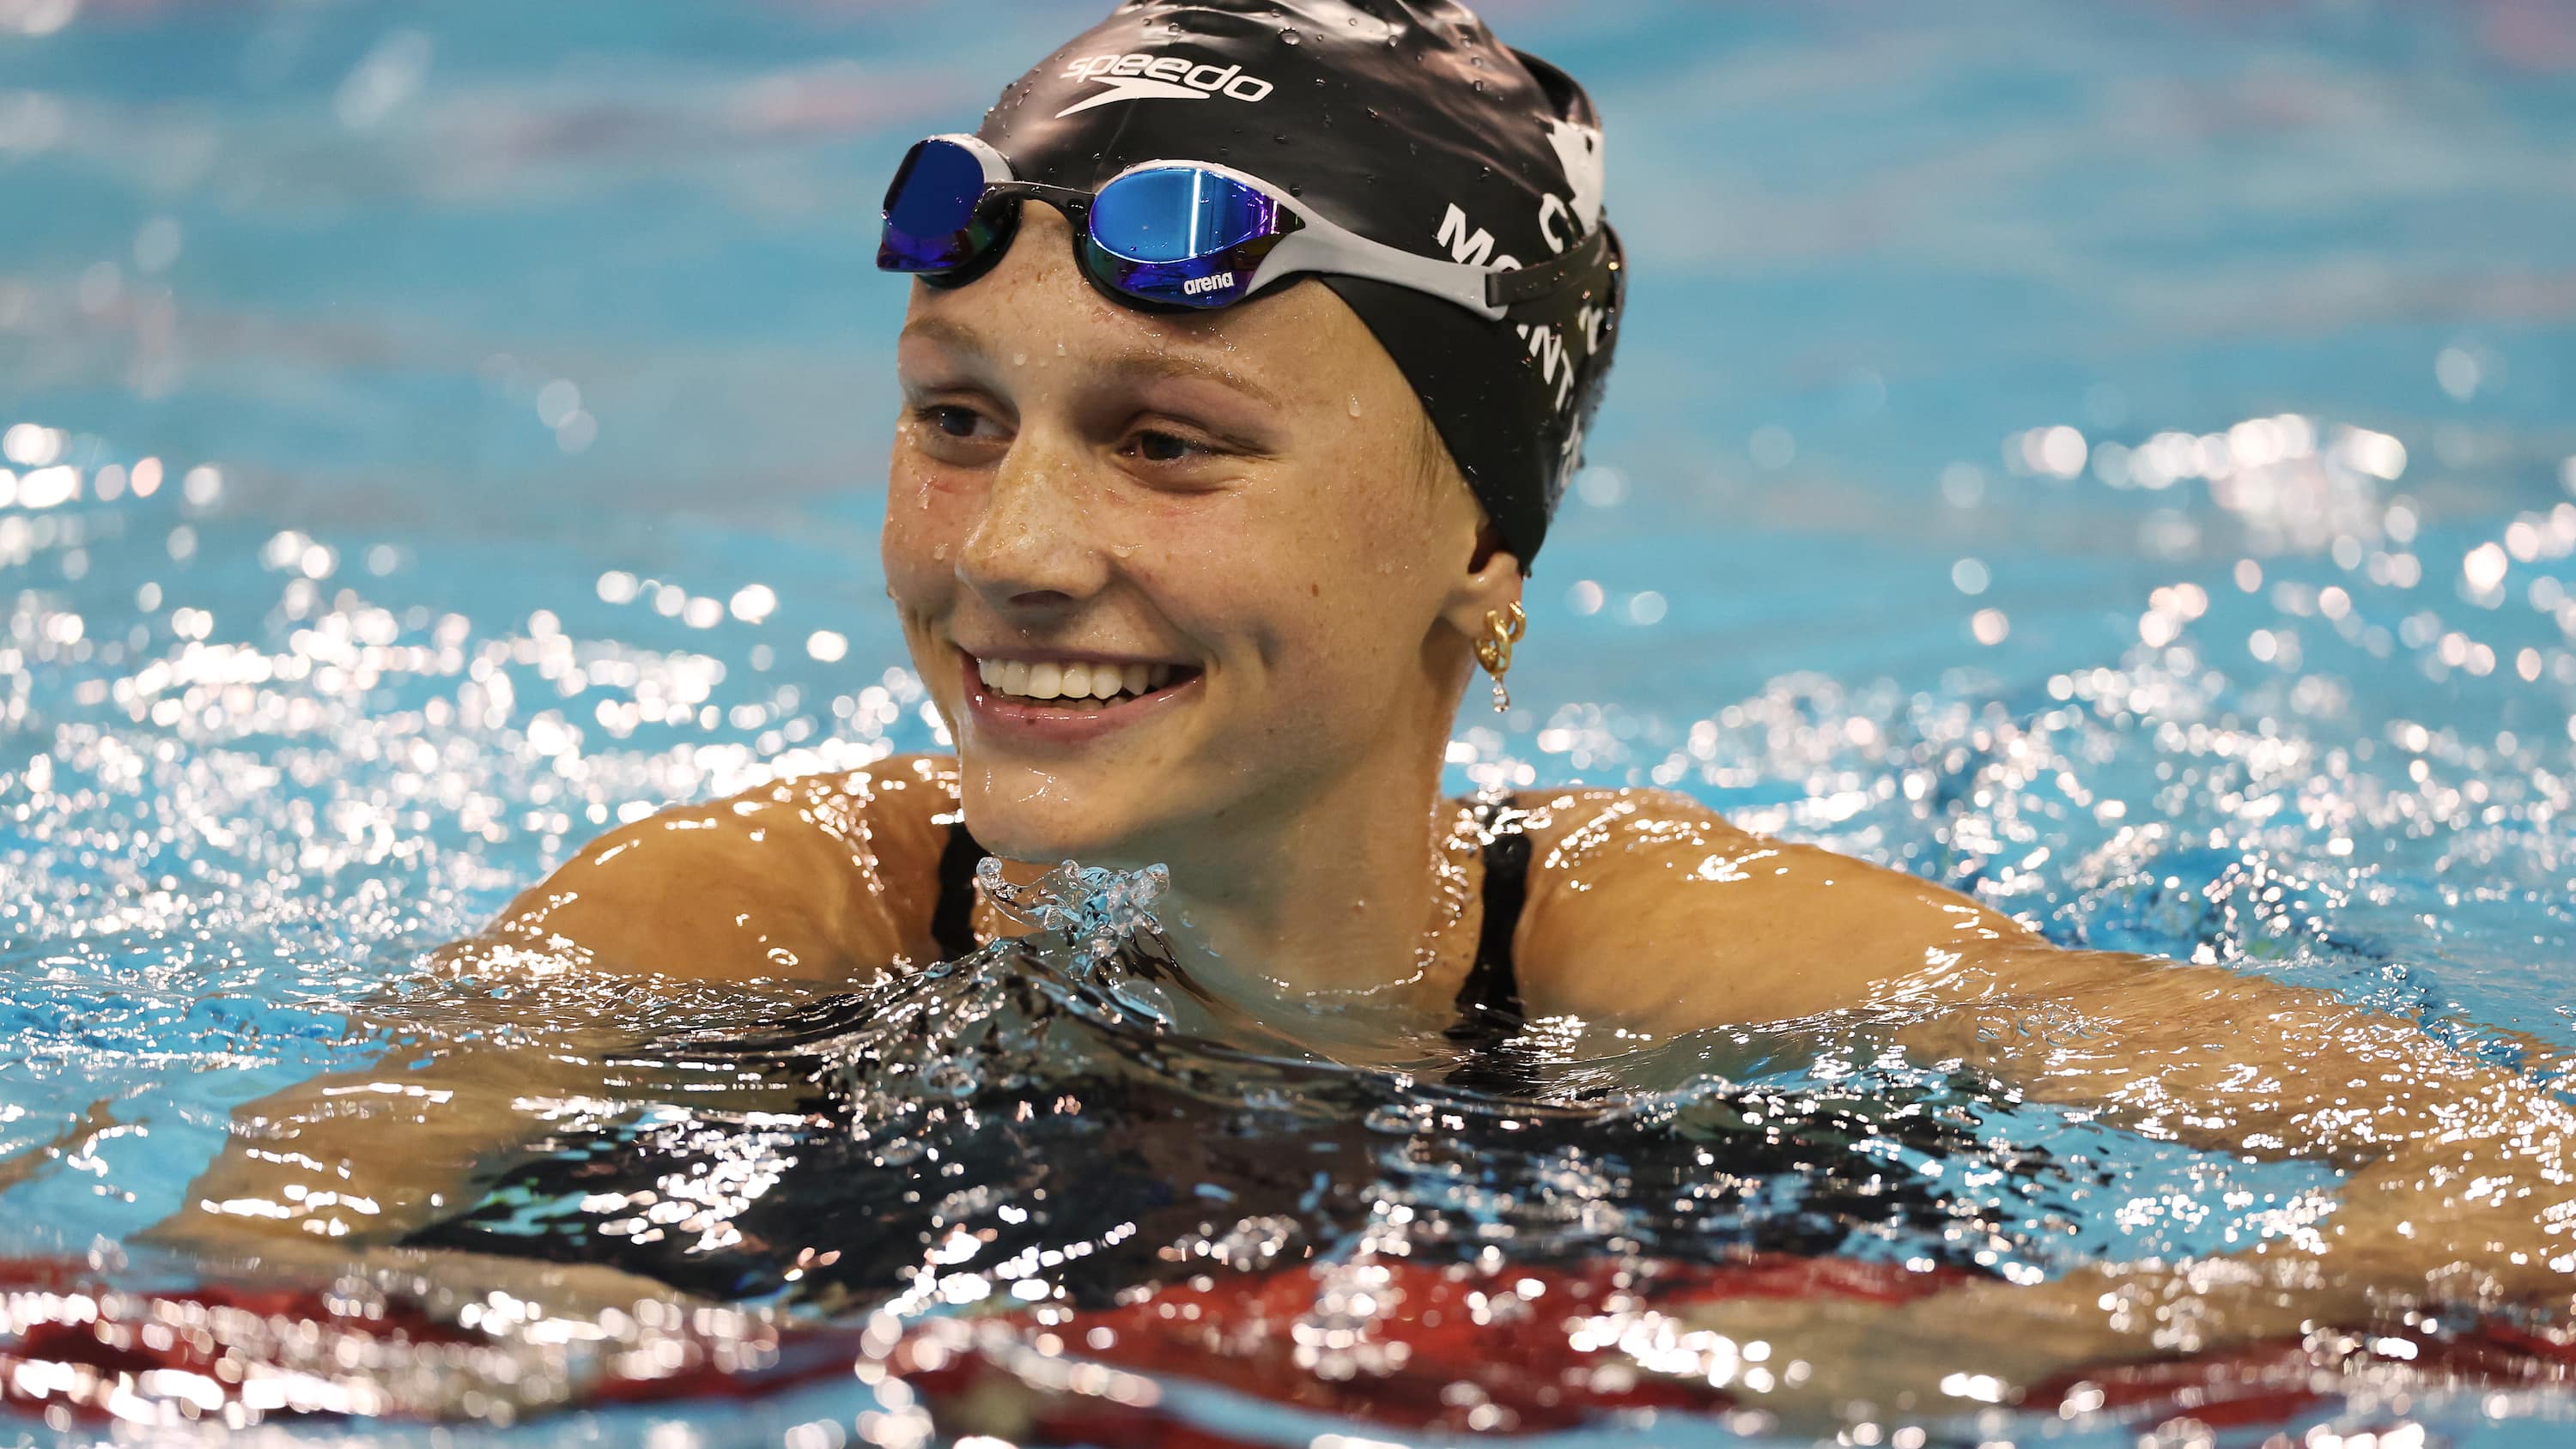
426 443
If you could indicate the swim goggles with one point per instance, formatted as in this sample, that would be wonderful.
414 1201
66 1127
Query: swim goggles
1171 235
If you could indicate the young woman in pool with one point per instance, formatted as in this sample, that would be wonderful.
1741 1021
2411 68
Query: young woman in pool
1239 379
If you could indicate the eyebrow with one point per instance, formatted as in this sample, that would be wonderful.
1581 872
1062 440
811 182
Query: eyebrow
1137 364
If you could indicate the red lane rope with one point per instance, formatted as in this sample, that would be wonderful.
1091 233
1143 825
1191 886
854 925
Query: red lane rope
1446 1349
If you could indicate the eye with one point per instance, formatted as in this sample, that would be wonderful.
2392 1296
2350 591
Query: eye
956 432
955 421
1156 446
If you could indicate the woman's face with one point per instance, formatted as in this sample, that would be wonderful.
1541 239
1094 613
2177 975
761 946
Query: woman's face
1222 529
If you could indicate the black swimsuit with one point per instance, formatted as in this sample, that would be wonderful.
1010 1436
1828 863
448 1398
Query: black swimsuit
830 1190
1128 1156
1489 1000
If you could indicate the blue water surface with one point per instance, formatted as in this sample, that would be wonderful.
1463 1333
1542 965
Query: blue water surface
2114 459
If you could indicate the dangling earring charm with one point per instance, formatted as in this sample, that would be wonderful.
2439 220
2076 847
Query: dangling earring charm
1503 629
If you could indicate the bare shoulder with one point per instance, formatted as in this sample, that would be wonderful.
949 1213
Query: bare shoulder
1649 908
817 876
1571 826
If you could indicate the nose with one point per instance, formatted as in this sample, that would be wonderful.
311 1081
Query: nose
1030 549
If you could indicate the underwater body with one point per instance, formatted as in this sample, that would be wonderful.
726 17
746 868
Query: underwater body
2115 464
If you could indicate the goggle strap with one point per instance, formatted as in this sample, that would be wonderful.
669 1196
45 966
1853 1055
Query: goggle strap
1509 289
1324 246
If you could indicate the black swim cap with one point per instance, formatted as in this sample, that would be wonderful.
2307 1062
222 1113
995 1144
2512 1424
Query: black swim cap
1409 123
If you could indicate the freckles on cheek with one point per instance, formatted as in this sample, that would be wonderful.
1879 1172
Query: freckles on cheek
924 505
919 488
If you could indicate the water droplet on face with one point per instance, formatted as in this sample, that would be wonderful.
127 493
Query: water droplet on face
1059 349
1019 359
1289 37
939 551
1355 404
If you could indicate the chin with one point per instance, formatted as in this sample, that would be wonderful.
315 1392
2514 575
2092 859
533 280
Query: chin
1021 812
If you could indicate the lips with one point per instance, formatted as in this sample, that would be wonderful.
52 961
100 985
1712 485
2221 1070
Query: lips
1004 699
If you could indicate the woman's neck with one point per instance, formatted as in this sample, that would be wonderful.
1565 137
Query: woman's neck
1354 894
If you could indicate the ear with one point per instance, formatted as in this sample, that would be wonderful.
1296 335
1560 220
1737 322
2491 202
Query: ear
1490 583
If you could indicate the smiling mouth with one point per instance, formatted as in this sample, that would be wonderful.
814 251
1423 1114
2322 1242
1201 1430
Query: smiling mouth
1076 683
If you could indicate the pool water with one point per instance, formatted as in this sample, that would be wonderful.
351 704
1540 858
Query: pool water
2114 460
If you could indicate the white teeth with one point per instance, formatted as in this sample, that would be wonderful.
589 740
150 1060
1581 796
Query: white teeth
1079 680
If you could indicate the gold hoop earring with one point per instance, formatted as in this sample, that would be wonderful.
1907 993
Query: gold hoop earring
1503 629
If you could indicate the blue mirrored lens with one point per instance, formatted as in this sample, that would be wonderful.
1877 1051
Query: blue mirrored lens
1178 214
930 222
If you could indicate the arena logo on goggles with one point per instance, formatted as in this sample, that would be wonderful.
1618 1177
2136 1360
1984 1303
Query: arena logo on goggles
1136 76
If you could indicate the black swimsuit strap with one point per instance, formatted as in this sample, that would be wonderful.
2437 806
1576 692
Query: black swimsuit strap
952 920
1489 1000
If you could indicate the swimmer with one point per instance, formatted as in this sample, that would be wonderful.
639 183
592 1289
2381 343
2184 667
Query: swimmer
1239 382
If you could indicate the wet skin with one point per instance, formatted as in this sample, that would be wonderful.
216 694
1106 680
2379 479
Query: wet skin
1253 500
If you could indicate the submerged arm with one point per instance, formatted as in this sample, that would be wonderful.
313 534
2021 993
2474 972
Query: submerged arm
2219 1060
2462 1176
829 880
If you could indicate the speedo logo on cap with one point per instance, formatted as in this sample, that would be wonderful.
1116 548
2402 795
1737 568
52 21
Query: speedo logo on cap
1137 76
